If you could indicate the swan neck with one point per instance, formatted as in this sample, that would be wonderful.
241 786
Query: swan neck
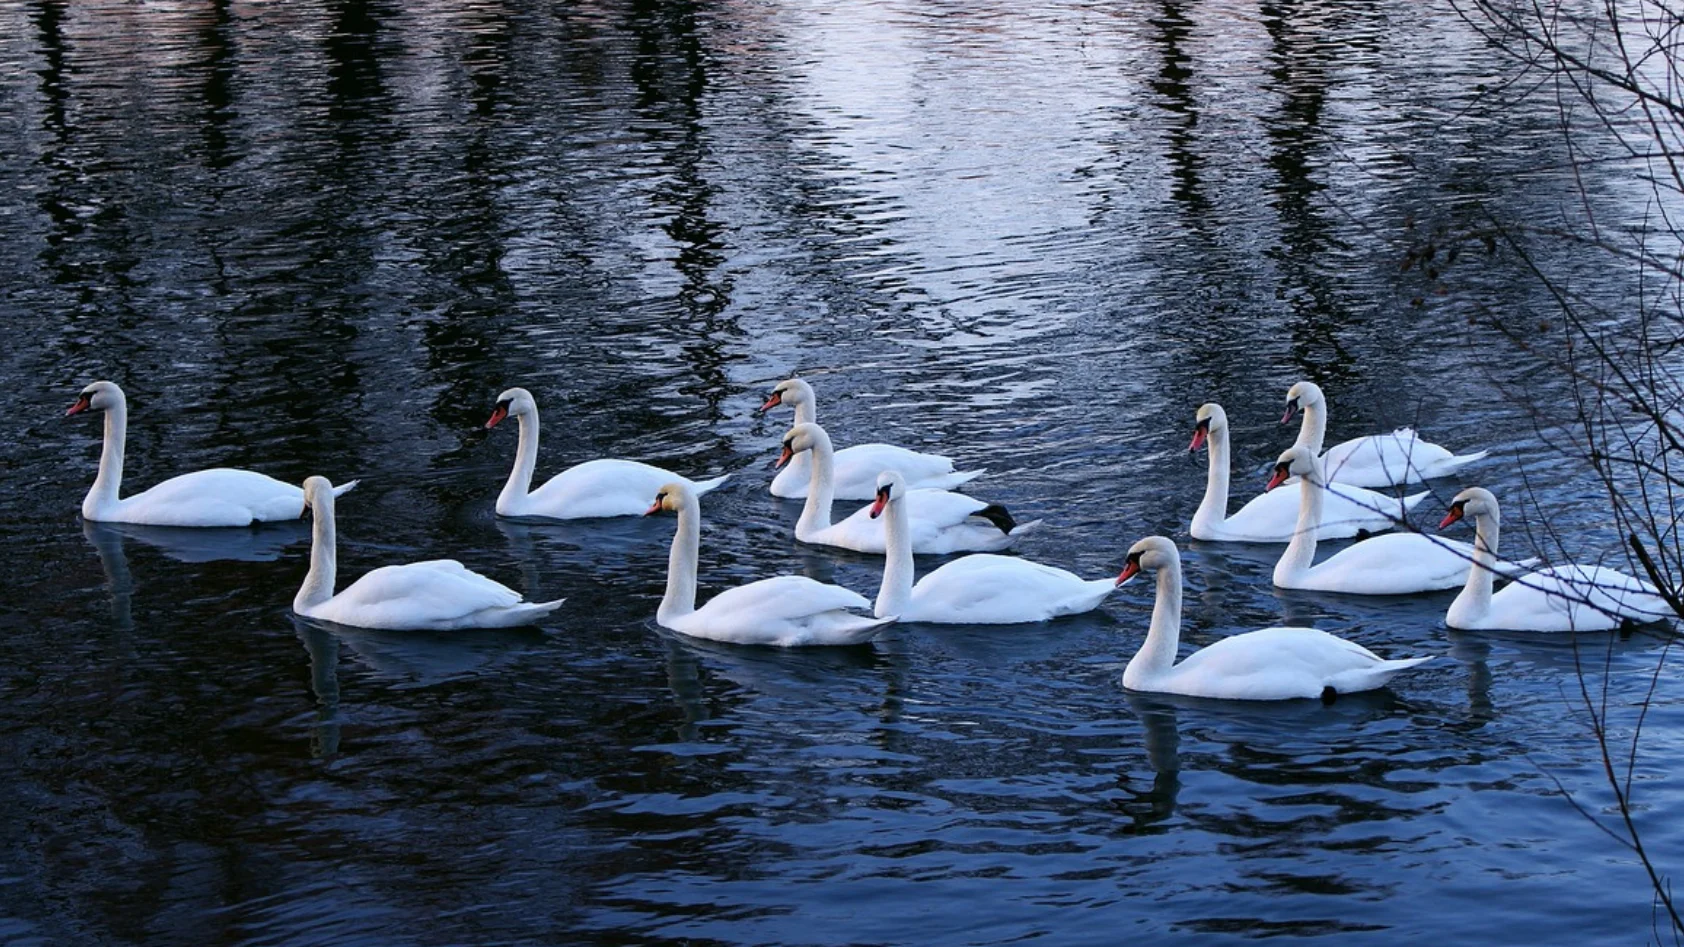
1163 637
680 599
1475 598
1213 508
806 412
1301 550
514 494
896 592
103 494
821 490
1313 431
324 557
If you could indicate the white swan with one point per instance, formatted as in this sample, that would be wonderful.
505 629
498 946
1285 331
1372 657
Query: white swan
855 469
591 489
1392 564
1559 598
1379 460
982 589
939 522
1273 517
218 497
1270 664
786 611
437 595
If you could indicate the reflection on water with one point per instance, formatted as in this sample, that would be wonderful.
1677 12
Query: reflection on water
318 237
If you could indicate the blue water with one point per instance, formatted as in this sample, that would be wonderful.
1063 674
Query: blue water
320 237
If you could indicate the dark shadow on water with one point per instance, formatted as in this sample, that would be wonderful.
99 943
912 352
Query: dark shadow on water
265 543
410 659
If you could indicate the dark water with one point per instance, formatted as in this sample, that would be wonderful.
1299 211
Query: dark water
320 237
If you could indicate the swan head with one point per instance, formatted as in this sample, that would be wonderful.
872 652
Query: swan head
1473 502
1150 554
318 493
515 401
1210 419
1295 461
801 437
670 499
1300 397
890 486
791 392
99 396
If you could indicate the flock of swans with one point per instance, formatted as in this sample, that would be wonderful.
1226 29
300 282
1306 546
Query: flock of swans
912 511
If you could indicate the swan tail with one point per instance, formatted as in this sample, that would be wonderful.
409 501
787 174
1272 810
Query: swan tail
528 612
706 486
345 487
1453 463
962 477
1413 500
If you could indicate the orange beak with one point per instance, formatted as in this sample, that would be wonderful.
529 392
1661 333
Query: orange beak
653 508
1280 476
497 415
1198 437
81 405
783 458
1129 571
772 402
1454 516
1291 410
882 502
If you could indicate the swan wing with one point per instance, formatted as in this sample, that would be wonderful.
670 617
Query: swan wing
221 496
989 589
1281 664
417 594
599 488
1393 564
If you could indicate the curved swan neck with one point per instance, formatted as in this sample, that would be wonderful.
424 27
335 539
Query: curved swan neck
103 494
1301 551
526 460
821 489
896 591
324 557
1214 507
1163 637
680 599
1313 431
1475 598
806 412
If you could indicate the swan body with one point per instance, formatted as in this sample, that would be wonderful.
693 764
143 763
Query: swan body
221 496
786 611
938 522
1393 564
1379 460
1273 517
1270 664
1558 598
855 469
595 488
980 589
436 595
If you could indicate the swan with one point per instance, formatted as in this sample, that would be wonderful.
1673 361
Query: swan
939 522
1270 664
1393 564
1379 460
591 489
1273 517
1559 598
218 497
981 589
786 611
437 595
854 476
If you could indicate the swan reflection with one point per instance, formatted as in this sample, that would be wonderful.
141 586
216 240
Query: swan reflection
266 543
